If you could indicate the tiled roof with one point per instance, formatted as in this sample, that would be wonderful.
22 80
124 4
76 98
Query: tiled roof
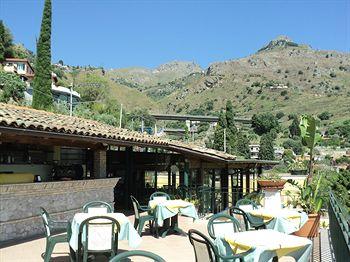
38 120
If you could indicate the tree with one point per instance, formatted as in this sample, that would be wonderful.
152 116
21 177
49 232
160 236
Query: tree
242 145
42 95
19 51
5 42
295 145
264 123
294 129
11 87
231 130
266 151
219 132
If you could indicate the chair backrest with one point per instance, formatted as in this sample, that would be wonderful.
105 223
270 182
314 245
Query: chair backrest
97 207
221 224
46 219
246 204
98 233
159 196
136 206
138 253
204 249
241 217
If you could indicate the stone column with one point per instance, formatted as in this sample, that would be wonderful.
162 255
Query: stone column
100 163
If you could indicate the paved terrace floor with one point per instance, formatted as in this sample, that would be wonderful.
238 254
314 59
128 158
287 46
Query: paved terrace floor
172 248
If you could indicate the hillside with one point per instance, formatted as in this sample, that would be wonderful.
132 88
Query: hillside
282 76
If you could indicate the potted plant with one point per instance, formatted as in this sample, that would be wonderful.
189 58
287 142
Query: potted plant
297 168
271 181
310 200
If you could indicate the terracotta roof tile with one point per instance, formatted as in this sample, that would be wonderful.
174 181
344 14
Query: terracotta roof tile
29 118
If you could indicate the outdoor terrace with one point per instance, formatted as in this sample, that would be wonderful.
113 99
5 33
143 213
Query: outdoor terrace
171 248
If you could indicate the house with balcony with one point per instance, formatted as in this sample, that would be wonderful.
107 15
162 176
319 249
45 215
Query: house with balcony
20 66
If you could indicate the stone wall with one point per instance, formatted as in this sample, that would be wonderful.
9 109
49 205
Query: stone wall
19 206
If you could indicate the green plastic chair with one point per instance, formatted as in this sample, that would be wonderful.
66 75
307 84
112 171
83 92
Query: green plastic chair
52 240
97 204
206 251
241 216
140 220
159 194
251 221
220 224
86 229
139 253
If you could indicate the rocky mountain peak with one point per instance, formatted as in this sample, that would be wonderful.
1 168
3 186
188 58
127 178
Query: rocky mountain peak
279 42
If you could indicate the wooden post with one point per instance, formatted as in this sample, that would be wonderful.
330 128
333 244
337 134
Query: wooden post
224 186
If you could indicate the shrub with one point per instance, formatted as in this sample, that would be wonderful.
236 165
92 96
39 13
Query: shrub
332 74
325 115
279 115
284 92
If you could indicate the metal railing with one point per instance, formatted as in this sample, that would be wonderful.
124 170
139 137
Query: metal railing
339 226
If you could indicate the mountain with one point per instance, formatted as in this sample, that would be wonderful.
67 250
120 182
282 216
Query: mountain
283 76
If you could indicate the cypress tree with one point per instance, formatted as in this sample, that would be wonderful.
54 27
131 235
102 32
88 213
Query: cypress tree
242 145
219 132
266 151
42 96
231 130
294 129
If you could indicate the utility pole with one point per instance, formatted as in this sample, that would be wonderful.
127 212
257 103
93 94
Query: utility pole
120 115
225 140
71 100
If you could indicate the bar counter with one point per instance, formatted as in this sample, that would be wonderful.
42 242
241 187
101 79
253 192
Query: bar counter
19 203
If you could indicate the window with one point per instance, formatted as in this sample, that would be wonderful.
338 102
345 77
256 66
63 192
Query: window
20 66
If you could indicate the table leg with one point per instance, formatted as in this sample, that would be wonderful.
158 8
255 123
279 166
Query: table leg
174 227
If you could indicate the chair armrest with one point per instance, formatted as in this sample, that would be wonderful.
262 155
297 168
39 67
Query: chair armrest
144 208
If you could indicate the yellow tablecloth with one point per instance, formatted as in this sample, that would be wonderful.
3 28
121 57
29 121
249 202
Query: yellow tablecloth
266 239
172 205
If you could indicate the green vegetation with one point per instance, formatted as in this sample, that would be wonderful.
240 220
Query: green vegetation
6 45
310 137
265 123
242 145
11 87
266 151
42 96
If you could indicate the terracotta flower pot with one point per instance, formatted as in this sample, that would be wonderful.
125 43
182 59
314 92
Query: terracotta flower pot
271 184
311 228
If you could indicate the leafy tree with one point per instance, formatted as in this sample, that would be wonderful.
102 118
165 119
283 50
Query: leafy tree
294 129
242 145
264 123
295 145
42 95
218 143
266 151
11 87
5 42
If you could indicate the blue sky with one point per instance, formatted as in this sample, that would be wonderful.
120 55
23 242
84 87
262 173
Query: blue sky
113 34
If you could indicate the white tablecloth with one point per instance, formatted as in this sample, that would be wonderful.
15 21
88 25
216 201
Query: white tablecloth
127 231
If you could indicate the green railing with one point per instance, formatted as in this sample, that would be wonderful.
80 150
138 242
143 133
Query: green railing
339 226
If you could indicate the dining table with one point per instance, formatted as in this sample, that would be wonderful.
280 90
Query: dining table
284 220
264 244
127 231
164 209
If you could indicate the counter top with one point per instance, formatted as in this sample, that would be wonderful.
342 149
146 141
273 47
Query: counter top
54 186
